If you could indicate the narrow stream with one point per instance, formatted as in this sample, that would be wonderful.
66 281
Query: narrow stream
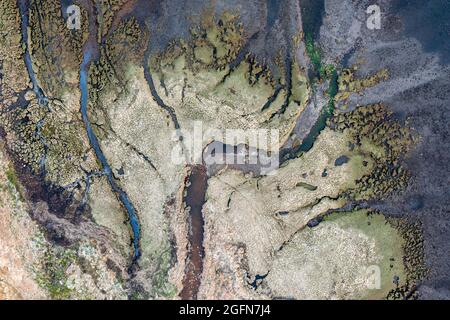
24 12
90 51
42 99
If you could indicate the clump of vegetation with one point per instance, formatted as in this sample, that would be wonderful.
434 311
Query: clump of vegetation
413 261
348 83
23 134
58 50
213 44
107 73
313 53
386 140
12 177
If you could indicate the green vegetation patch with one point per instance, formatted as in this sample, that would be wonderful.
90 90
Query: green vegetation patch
315 55
389 246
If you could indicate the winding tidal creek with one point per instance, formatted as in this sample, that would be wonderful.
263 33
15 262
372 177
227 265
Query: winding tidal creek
90 51
24 12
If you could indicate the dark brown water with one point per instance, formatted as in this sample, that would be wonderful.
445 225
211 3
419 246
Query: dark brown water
195 198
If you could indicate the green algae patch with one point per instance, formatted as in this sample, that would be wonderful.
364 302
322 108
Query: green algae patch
12 177
315 55
14 187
